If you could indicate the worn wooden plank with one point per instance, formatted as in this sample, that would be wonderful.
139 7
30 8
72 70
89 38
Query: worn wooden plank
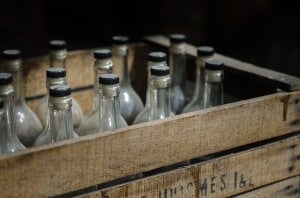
286 188
283 81
222 177
94 159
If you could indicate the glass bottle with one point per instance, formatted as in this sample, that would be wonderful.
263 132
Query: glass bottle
2 122
177 61
28 126
160 106
213 88
154 58
58 56
59 126
204 53
103 64
9 141
131 103
109 103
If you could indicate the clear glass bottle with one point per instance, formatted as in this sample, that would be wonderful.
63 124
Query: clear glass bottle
154 58
58 56
213 88
28 126
204 53
109 103
59 126
9 141
131 103
56 76
177 61
103 64
160 104
2 122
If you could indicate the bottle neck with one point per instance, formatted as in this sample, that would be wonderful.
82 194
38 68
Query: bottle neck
110 113
177 61
160 106
213 95
60 120
102 66
58 58
121 61
200 77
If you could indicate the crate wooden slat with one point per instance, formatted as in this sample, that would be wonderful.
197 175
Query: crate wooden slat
220 177
90 160
287 188
283 81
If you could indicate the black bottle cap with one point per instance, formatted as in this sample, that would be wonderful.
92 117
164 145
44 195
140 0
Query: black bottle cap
177 38
56 72
1 103
102 53
160 70
120 40
157 56
205 51
11 54
57 45
59 90
5 78
214 65
108 79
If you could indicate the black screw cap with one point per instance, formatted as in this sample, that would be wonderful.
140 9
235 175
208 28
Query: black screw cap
5 78
205 51
120 40
214 65
102 53
11 54
177 38
57 45
160 70
108 79
157 57
56 72
60 90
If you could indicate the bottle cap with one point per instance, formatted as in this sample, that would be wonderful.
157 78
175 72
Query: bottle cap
160 70
108 79
56 72
157 57
59 90
120 40
205 51
57 45
177 38
214 65
5 78
11 54
1 103
102 53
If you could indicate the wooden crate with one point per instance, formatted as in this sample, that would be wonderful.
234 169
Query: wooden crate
246 148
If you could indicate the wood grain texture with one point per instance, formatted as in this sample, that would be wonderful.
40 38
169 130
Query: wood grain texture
222 177
286 188
94 159
284 81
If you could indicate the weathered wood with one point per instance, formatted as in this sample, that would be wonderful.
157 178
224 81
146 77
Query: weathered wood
94 159
283 81
286 188
222 177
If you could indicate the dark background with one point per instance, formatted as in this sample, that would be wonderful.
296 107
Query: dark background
263 32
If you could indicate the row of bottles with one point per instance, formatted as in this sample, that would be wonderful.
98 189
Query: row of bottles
115 103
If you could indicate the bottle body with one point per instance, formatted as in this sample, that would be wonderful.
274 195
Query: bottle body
178 66
59 124
27 124
8 137
131 103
